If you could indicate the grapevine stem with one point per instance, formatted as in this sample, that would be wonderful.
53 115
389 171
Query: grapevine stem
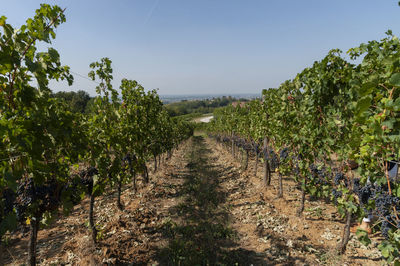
395 213
346 234
388 221
33 241
91 218
387 178
1 252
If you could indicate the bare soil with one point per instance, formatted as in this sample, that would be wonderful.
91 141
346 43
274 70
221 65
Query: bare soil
200 208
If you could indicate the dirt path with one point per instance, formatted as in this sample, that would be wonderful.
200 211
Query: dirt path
200 231
199 209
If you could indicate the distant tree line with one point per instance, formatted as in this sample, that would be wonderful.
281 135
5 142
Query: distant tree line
200 106
79 102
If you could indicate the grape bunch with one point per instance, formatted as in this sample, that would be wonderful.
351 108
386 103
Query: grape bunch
87 178
338 178
226 139
256 147
7 203
320 175
364 193
127 159
336 194
385 227
388 222
384 203
283 154
247 146
8 198
272 158
37 199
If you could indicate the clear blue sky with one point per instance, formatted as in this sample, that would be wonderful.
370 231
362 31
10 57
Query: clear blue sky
208 46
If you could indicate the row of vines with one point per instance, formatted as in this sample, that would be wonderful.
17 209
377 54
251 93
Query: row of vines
332 118
50 158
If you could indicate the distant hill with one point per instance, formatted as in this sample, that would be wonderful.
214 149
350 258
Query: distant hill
202 105
190 97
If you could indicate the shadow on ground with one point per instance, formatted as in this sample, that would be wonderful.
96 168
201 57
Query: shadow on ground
198 232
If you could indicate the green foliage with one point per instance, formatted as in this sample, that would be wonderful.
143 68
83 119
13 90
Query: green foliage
77 101
330 113
363 237
38 133
44 134
199 106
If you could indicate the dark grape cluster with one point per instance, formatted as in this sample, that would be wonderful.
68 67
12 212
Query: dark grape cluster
87 178
247 146
356 184
364 193
320 175
8 199
127 158
7 203
388 222
384 203
272 158
338 178
239 142
336 194
25 197
385 227
34 199
256 147
45 197
284 154
385 206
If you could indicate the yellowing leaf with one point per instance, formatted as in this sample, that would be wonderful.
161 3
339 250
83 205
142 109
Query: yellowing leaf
2 21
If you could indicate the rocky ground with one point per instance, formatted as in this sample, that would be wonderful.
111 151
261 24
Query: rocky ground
201 208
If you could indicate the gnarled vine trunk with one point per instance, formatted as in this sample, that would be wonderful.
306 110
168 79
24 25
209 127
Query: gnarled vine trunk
1 253
91 218
302 199
341 248
33 241
145 173
155 162
233 146
267 170
134 181
256 165
280 192
247 160
119 204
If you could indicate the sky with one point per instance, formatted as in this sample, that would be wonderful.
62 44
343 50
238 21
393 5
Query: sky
206 46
